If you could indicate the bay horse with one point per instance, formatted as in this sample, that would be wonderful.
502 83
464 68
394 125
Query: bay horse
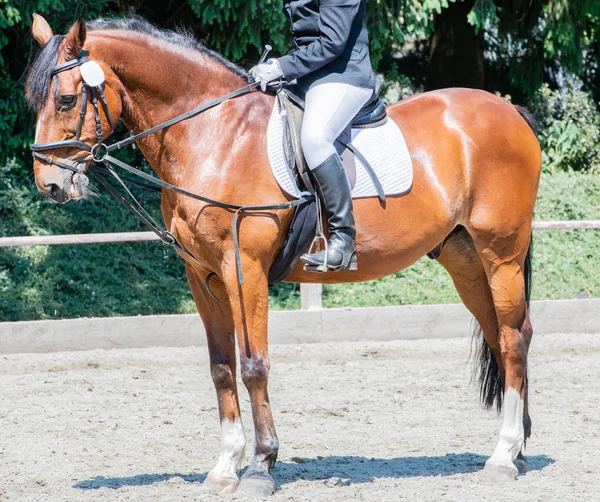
476 163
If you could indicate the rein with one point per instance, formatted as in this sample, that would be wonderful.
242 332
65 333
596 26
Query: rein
99 154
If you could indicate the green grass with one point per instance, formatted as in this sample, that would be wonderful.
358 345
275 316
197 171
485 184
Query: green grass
52 282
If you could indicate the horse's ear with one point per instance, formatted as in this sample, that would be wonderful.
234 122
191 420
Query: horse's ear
75 40
41 29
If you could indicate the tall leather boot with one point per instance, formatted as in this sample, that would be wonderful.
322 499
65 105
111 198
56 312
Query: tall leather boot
333 188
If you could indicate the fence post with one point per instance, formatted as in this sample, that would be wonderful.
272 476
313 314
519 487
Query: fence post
311 296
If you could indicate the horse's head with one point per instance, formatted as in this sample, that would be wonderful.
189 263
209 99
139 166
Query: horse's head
77 102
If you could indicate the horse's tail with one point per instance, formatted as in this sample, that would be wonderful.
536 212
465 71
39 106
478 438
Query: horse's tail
528 117
487 372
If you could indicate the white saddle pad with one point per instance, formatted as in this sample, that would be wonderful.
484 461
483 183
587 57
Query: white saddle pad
383 147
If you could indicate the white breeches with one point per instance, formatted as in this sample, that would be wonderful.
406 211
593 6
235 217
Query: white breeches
328 110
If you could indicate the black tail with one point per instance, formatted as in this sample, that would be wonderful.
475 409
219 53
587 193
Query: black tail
527 270
528 117
486 371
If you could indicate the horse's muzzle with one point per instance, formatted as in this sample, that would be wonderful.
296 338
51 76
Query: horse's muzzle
64 187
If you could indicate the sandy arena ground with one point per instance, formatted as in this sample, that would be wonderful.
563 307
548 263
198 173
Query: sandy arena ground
358 421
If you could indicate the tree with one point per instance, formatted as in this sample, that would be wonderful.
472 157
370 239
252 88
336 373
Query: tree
529 40
456 54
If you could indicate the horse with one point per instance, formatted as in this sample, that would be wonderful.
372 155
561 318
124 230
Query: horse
476 163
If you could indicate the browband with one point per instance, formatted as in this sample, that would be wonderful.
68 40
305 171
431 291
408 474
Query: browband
69 65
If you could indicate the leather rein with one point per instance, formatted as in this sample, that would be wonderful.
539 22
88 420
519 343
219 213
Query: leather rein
103 163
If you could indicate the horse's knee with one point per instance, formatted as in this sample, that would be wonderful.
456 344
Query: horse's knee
222 375
255 371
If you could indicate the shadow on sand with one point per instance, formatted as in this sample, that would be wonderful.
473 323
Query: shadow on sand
343 470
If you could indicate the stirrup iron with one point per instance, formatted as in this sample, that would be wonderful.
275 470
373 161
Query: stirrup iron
317 268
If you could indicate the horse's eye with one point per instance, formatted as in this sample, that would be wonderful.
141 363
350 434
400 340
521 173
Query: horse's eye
67 101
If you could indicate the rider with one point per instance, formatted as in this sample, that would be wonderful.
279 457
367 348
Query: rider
332 65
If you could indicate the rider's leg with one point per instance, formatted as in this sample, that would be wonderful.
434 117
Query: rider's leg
329 109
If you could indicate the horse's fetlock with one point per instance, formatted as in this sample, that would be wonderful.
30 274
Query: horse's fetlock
270 447
267 450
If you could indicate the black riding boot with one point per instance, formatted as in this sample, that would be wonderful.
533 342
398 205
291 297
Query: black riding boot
333 188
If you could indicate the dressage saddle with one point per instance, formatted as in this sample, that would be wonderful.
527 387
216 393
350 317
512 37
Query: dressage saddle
372 114
302 228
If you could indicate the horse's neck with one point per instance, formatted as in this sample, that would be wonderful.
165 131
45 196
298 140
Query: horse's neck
161 83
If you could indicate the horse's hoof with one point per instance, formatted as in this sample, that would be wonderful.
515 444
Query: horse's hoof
522 464
256 487
500 472
221 484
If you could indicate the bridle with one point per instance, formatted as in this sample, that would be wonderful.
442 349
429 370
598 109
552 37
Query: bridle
96 151
103 163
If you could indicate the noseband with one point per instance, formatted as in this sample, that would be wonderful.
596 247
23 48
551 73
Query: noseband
97 151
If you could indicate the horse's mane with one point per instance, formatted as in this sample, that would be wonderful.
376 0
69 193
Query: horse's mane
181 36
40 73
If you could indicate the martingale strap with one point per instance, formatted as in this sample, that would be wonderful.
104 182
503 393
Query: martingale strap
167 237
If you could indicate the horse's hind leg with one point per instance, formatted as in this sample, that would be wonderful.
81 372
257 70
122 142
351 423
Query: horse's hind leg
504 260
218 322
461 260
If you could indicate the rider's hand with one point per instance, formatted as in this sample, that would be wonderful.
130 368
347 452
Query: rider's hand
266 72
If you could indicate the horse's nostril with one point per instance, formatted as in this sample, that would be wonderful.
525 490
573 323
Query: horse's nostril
52 189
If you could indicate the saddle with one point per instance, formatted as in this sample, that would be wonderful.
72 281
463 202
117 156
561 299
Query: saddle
306 216
372 114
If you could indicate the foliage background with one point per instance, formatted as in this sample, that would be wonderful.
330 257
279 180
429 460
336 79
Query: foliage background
540 53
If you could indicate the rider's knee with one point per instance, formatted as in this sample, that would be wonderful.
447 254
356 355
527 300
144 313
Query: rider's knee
315 145
312 139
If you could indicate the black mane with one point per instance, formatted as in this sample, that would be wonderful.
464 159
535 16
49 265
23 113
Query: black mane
40 73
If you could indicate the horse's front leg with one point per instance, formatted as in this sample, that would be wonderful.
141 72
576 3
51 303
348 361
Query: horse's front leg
250 305
218 322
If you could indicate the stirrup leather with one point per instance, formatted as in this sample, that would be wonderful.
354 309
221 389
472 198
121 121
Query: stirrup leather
319 237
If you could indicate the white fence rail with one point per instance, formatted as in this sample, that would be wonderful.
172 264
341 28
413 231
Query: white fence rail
311 297
567 225
50 240
381 324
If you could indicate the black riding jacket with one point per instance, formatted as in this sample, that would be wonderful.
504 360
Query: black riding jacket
332 43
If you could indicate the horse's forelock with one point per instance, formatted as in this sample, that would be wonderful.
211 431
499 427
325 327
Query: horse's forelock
40 74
